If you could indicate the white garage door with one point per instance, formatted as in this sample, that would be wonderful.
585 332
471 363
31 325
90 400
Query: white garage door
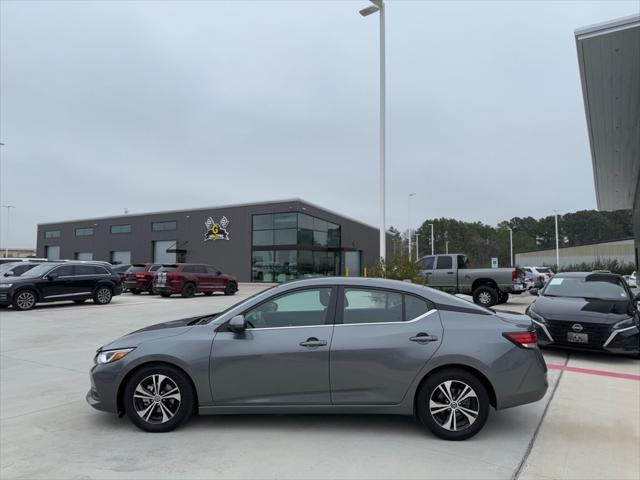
53 252
121 257
160 254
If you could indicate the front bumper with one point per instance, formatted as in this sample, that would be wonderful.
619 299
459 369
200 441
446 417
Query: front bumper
103 394
624 341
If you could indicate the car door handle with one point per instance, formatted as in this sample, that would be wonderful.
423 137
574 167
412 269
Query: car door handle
313 342
424 338
449 273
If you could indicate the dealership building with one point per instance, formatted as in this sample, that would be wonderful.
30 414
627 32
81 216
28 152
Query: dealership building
270 242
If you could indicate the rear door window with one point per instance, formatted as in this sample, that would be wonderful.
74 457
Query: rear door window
362 305
415 307
444 263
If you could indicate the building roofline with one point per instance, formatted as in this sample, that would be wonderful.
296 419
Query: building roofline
607 27
235 205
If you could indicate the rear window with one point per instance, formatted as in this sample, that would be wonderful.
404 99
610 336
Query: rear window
137 268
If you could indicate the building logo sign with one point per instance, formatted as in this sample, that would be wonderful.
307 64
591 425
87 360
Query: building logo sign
216 230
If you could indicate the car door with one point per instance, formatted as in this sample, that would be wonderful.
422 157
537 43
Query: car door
282 358
426 265
214 279
57 284
444 274
382 339
86 278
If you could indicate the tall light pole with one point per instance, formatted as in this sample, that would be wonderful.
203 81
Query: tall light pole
409 219
510 245
557 244
417 250
6 233
378 6
431 225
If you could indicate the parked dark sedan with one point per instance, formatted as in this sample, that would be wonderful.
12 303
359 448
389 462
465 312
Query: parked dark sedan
58 281
593 311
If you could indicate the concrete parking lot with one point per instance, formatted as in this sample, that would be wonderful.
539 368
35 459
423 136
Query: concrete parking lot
587 426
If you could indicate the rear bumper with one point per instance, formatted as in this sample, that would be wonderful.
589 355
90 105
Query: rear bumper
529 384
166 289
136 284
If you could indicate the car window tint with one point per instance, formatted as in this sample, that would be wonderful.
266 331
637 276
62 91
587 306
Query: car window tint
414 307
444 263
296 309
64 271
427 263
371 306
212 270
154 268
85 270
194 269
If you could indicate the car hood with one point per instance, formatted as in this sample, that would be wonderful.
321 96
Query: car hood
152 332
583 309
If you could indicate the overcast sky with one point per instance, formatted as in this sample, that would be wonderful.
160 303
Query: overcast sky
165 105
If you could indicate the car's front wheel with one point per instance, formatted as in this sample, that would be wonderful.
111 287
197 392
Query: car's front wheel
158 398
102 295
485 296
24 300
453 404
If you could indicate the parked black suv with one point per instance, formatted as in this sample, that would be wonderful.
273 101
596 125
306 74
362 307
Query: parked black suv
58 281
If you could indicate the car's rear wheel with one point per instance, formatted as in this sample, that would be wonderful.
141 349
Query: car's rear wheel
102 295
485 296
453 404
231 288
158 398
24 300
188 290
503 297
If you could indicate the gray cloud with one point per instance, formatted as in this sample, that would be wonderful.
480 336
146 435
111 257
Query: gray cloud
164 105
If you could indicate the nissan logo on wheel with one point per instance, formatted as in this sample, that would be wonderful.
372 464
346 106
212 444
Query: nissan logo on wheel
576 327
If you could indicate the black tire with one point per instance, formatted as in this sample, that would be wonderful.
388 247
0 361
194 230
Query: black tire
188 291
231 288
485 296
165 294
102 295
208 294
463 426
135 291
80 301
503 297
24 299
180 408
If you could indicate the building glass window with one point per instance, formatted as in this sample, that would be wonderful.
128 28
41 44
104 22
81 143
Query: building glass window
262 238
288 236
313 238
120 228
52 252
85 256
52 234
84 232
164 226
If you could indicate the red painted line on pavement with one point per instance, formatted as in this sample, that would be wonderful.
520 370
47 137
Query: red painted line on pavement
603 373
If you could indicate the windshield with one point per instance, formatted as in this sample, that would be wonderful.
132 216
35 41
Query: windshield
605 288
39 270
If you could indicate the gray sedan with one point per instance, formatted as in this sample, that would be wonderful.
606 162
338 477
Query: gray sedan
327 345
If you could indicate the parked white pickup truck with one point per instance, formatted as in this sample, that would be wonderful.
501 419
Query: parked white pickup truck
488 286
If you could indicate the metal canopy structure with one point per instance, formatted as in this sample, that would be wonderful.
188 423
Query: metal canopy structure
609 61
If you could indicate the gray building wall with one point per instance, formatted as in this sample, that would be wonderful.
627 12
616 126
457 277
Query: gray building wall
622 251
233 256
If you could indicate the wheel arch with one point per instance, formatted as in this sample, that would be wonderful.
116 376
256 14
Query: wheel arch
123 384
469 369
31 289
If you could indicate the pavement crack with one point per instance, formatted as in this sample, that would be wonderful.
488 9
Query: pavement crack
527 452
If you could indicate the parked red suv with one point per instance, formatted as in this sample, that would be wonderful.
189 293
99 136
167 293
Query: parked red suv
191 278
139 278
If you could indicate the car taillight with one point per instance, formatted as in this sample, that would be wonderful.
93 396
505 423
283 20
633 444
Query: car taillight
522 339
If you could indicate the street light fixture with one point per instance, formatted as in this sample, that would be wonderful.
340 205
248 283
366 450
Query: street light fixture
409 219
378 6
431 225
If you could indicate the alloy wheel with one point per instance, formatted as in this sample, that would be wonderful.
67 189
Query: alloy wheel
454 405
104 295
25 300
484 298
156 399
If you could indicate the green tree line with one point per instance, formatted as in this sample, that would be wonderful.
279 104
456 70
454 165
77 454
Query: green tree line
481 242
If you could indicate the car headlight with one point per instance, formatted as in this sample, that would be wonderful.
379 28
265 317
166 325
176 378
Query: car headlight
6 285
629 322
110 356
538 318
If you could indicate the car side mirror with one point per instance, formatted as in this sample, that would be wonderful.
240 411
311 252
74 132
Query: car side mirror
237 324
534 291
52 276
